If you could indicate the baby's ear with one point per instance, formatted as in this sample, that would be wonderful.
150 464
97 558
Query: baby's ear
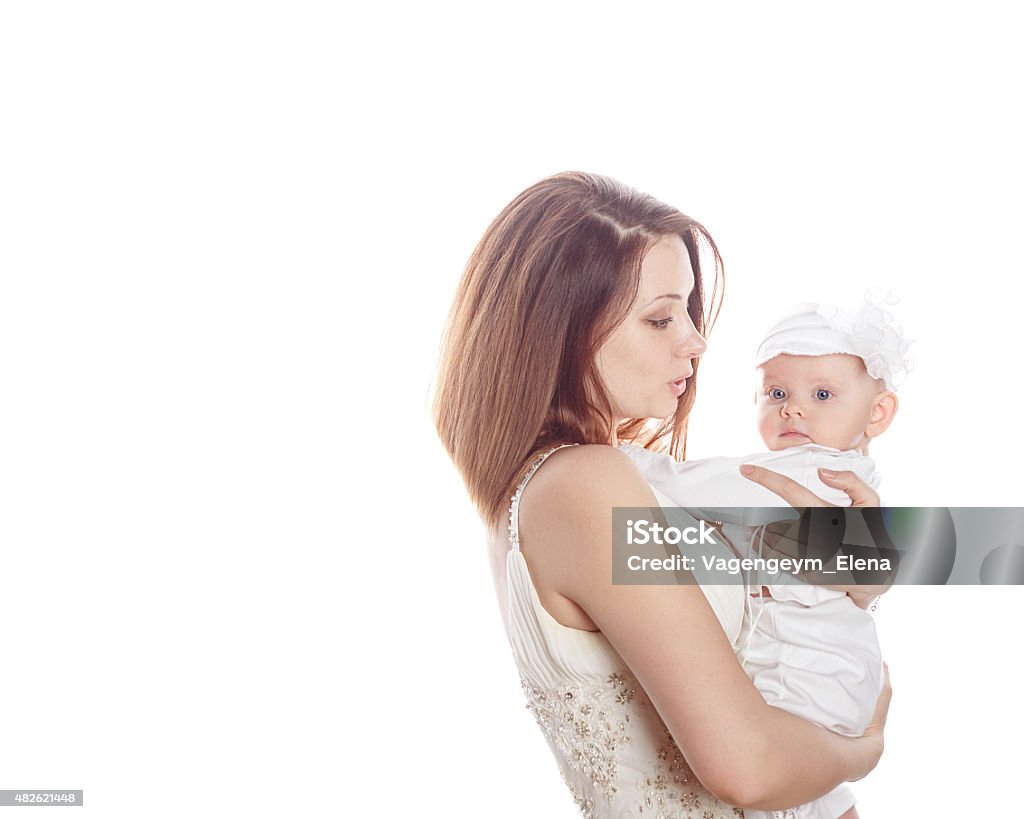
883 410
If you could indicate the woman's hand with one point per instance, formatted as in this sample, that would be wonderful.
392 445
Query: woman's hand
798 496
876 728
780 537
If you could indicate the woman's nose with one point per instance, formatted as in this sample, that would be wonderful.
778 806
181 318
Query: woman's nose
692 343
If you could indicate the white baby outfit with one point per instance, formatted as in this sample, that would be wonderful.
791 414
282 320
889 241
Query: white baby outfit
614 752
808 650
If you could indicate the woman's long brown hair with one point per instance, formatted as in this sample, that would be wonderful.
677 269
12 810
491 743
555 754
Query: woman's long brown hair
552 277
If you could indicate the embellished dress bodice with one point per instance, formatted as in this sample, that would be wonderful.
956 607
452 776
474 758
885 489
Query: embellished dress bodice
615 753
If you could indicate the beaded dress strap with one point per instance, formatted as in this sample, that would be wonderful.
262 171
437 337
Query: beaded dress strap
513 510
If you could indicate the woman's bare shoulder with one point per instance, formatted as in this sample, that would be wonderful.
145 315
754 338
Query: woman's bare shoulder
567 506
565 523
585 477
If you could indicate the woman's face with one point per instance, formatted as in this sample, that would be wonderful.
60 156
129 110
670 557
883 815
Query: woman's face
645 362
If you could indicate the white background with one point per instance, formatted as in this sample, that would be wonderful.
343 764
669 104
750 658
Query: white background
238 576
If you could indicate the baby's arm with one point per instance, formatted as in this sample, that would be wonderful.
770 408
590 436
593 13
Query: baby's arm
713 483
717 482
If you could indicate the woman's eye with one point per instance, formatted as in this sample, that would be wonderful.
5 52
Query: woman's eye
660 324
823 395
776 393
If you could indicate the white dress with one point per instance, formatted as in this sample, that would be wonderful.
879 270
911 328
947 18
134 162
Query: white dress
808 650
615 753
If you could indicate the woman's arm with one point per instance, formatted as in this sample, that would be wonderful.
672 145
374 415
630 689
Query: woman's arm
748 753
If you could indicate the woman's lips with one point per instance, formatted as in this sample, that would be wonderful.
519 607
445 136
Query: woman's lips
678 386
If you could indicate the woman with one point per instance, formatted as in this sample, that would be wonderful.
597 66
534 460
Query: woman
579 325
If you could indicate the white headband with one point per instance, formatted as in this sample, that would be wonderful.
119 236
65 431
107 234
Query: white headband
821 329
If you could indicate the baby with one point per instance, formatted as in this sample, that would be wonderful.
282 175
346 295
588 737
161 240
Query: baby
827 388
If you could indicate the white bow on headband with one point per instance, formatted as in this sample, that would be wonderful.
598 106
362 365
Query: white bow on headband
868 332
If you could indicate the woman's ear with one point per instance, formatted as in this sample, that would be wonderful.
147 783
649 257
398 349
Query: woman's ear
883 410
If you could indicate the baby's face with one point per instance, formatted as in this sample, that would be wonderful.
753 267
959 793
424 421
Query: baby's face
824 399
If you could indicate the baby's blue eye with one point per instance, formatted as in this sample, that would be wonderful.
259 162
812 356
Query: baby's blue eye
777 393
823 395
